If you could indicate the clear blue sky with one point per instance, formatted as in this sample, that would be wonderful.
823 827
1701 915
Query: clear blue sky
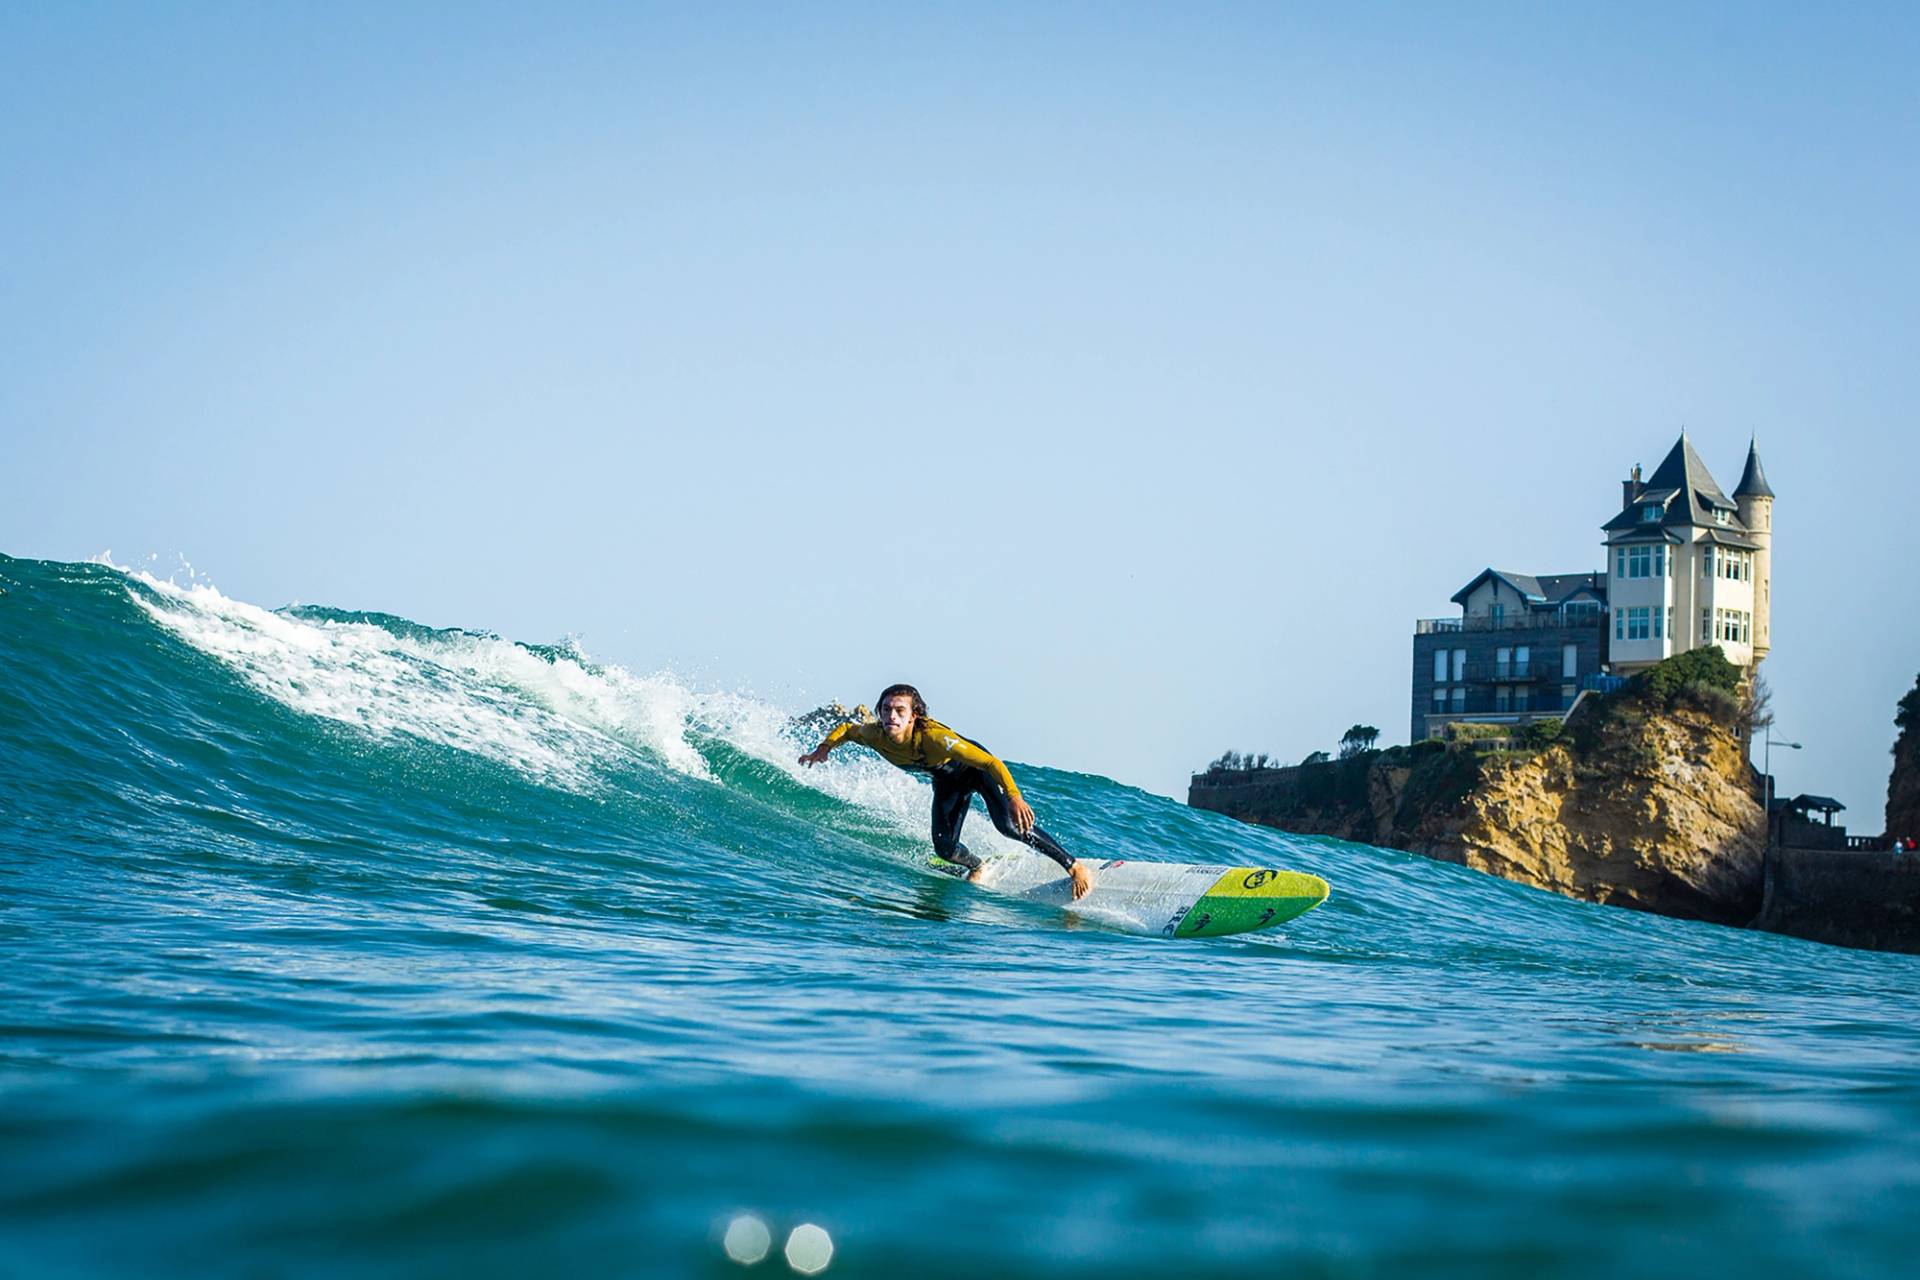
1128 377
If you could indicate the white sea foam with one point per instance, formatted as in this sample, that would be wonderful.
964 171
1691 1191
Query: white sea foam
476 694
561 721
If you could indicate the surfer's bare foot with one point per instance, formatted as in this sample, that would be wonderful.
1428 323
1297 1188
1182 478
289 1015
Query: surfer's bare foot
973 876
1081 880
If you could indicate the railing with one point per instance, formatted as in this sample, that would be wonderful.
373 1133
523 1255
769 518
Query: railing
1480 703
1544 621
1600 683
1870 844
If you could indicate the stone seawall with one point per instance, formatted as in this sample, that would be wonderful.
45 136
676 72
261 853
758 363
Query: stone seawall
1850 898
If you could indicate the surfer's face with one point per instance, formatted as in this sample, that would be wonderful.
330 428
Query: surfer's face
896 717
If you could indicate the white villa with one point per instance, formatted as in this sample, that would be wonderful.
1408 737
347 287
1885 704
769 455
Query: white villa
1689 566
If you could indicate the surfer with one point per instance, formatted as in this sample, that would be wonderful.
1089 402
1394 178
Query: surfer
908 737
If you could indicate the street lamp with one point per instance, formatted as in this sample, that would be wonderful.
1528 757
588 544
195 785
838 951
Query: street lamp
1769 770
1766 850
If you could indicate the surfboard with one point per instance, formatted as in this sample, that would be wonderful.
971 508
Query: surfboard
1174 899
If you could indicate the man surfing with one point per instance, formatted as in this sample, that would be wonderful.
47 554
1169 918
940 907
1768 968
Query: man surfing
906 736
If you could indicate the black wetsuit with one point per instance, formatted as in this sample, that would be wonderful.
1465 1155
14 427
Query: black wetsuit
953 790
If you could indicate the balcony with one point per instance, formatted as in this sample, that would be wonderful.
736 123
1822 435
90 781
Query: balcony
1547 620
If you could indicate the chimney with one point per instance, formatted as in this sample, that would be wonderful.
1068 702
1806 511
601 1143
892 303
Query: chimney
1630 488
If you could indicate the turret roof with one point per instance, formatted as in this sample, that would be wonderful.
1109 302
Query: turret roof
1753 481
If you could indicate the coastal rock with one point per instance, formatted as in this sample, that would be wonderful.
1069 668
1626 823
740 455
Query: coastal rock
1903 785
1636 807
1662 819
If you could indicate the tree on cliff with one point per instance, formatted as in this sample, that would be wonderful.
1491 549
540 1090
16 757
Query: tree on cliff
1903 785
1756 705
1358 739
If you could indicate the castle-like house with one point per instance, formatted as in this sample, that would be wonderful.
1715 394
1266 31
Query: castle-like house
1686 567
1689 566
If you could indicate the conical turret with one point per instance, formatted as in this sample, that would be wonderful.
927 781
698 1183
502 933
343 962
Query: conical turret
1753 481
1754 496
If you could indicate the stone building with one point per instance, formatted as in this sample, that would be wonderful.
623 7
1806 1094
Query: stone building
1687 566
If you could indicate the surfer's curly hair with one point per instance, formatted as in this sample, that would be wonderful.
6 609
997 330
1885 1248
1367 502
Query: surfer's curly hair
919 703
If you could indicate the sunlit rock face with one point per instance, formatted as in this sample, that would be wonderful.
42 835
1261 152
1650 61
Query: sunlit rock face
1635 808
1657 814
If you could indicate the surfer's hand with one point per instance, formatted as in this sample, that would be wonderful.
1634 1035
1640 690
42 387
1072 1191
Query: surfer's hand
1022 816
816 756
1082 881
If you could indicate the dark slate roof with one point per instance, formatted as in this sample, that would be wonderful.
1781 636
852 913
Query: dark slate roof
1684 486
1540 592
1753 481
1557 587
1728 538
1524 583
1644 533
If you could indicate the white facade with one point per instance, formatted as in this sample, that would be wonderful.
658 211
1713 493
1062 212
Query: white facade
1688 567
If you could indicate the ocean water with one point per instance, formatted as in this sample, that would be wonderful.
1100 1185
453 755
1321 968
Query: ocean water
331 944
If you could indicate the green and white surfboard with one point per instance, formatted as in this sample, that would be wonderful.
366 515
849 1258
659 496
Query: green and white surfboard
1177 900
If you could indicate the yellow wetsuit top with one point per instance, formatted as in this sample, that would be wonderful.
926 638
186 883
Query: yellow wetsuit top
930 748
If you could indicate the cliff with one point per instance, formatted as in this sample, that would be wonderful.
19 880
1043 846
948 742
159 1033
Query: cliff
1903 787
1646 800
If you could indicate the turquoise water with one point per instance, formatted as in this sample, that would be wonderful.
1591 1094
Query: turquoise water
335 945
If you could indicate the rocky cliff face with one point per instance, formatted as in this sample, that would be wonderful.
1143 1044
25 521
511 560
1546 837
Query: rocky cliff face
1639 808
1660 817
1903 787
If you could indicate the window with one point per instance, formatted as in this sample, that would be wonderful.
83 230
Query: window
1722 516
1660 562
1567 696
1496 612
1639 627
1619 623
1502 697
1706 625
1439 666
1459 699
1639 562
1649 513
1459 664
1520 659
1706 562
1620 562
1522 698
1569 661
1670 622
1502 663
1439 698
1656 621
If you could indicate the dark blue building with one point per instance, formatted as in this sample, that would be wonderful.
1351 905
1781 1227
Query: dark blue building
1518 652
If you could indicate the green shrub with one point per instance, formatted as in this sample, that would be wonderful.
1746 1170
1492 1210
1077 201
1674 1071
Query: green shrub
1662 682
1539 735
1724 707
